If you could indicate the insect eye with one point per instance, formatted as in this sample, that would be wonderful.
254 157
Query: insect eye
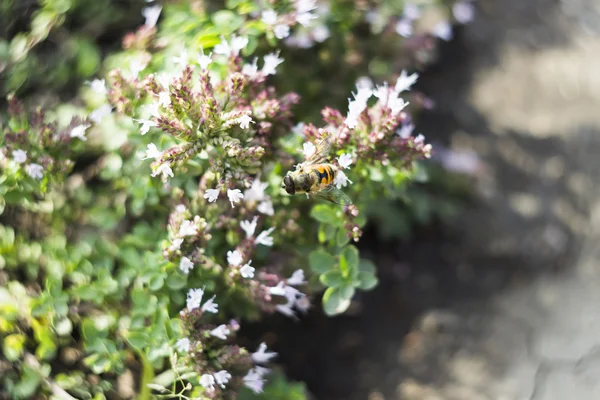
287 181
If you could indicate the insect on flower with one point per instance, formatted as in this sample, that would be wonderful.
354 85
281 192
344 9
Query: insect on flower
316 177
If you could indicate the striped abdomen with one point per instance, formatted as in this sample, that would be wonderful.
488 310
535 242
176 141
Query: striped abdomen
324 174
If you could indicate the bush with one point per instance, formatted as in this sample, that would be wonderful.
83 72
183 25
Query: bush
145 221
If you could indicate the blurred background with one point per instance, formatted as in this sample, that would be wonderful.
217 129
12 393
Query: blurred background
499 299
503 302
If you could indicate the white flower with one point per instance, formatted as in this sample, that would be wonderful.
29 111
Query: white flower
281 31
297 278
208 382
303 6
234 195
185 265
266 207
221 332
182 59
249 226
463 11
210 306
251 70
146 125
320 33
247 271
36 171
164 79
411 11
308 149
261 355
164 169
204 60
188 228
164 99
183 345
405 81
278 290
341 180
286 309
304 18
135 67
298 129
79 132
234 258
364 82
211 195
194 298
303 304
19 156
357 106
244 122
404 28
222 377
405 130
269 17
254 381
152 152
264 238
98 86
345 160
272 60
99 113
443 30
396 104
180 208
419 139
256 191
231 48
151 15
176 243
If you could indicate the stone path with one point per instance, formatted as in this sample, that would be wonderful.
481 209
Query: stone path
528 101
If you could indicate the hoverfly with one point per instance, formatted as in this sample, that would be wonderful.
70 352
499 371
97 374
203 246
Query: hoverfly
315 177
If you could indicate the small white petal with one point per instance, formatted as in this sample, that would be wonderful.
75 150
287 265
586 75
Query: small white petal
264 237
245 121
164 169
234 258
345 160
185 265
222 377
19 156
247 271
79 132
36 171
297 278
266 207
281 31
341 180
99 113
249 226
271 62
152 152
269 17
151 15
210 306
235 195
211 195
98 86
261 355
194 298
220 332
183 345
188 228
208 382
308 149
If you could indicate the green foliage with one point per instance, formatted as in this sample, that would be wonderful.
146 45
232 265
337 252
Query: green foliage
93 285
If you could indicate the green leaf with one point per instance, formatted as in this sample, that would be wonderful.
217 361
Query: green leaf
367 266
366 280
341 238
326 232
324 213
156 282
334 302
349 261
176 281
138 339
13 346
227 21
321 261
332 279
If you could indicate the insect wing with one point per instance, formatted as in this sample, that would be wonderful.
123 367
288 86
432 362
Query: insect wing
334 195
321 152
